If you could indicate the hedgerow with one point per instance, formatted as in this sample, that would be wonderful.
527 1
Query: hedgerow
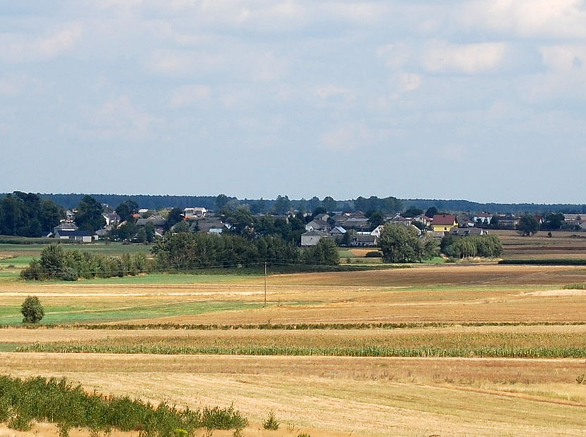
70 265
23 402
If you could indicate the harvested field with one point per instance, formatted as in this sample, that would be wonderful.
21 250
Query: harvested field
362 396
447 293
322 395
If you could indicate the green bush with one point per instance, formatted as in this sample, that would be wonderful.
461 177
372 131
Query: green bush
271 422
32 310
57 401
373 254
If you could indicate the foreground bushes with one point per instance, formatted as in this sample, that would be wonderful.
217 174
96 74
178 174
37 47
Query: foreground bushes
70 265
57 401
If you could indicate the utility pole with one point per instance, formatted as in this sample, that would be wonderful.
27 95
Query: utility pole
265 284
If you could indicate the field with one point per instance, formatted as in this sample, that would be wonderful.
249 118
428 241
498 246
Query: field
431 350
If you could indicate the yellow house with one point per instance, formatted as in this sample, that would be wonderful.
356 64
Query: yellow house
444 222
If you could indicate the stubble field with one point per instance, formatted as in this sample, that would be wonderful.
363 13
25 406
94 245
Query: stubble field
463 307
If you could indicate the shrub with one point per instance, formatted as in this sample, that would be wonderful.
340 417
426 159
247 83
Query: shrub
373 254
271 422
32 310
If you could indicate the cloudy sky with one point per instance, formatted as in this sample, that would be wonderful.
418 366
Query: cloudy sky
478 100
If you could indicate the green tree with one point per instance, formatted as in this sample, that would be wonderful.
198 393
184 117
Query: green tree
32 310
175 216
325 252
241 221
412 212
88 216
528 225
282 205
329 203
553 222
149 228
376 219
221 201
431 211
126 209
401 244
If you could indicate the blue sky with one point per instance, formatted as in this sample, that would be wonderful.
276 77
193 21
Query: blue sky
478 100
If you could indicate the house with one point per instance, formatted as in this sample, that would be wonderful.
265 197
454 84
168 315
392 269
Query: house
311 238
363 239
507 222
464 221
318 225
111 218
466 232
66 226
337 233
444 222
399 220
195 212
482 219
81 236
423 219
157 220
355 220
211 225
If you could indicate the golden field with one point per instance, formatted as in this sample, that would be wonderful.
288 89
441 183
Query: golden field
333 396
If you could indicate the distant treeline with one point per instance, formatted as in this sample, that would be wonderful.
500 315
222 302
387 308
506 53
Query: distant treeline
503 208
281 203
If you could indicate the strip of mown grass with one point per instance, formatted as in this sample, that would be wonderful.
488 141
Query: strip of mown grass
57 401
10 315
360 344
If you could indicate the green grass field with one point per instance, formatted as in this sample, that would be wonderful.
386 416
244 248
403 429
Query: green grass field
93 313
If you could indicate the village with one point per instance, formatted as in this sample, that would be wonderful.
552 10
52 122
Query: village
347 229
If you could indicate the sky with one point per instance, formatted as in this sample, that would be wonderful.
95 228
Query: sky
447 99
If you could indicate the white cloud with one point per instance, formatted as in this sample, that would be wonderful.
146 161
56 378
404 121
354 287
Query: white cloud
565 77
395 55
116 119
442 57
17 48
348 137
176 62
528 18
410 81
188 95
327 91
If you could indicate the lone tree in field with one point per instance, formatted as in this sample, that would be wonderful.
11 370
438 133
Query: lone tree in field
32 310
528 225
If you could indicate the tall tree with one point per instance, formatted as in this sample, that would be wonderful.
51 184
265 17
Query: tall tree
528 225
329 203
126 209
88 216
400 244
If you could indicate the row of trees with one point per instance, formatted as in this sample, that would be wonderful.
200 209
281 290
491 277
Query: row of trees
69 265
485 246
186 251
401 244
27 215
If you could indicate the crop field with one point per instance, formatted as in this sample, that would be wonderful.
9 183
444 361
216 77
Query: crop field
562 244
429 350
